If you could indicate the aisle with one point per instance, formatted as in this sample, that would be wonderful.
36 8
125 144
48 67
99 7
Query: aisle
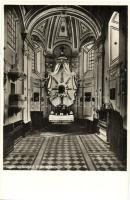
62 151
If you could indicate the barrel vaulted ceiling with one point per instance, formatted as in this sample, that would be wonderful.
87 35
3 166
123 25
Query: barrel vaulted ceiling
62 29
53 26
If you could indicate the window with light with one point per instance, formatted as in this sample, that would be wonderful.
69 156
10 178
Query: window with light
33 61
91 59
11 29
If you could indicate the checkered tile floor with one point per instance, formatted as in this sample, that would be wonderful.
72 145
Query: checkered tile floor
100 154
107 163
54 151
24 153
63 153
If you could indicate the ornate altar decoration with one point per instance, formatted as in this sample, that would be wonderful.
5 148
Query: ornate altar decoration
62 84
62 87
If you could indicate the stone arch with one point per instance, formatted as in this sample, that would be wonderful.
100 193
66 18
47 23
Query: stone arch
42 14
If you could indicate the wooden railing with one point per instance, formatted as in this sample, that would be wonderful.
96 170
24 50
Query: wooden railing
112 122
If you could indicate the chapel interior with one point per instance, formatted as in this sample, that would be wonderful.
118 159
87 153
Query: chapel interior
65 87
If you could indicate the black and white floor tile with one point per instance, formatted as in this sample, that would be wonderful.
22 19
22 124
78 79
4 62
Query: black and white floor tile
101 155
63 153
24 153
54 151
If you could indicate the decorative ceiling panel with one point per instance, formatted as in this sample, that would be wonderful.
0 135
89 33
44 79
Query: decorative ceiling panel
63 30
43 27
83 30
63 26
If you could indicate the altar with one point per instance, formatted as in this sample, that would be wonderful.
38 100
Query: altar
62 87
61 119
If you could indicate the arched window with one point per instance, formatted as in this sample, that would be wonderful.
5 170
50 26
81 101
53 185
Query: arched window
113 39
88 56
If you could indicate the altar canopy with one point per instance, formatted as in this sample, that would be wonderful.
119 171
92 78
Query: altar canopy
62 85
